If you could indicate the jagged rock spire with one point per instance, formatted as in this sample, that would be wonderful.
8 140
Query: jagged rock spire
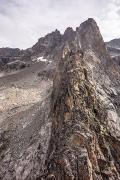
90 38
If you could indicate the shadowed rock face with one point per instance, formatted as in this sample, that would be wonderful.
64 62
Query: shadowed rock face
69 35
47 44
6 54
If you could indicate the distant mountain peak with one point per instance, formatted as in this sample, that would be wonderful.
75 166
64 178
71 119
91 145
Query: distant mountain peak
115 43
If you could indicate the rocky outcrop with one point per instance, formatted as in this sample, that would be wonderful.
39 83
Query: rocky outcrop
81 145
6 54
89 38
15 65
51 46
47 44
14 59
9 52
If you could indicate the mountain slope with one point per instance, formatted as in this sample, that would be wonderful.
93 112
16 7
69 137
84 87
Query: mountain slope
61 116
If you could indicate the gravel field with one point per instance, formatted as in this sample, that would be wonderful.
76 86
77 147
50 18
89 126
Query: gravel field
24 111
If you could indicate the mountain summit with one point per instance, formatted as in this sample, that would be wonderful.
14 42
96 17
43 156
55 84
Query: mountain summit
90 38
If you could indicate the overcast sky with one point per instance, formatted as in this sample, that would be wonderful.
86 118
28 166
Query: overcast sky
22 22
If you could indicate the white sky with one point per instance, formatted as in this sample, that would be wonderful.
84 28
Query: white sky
23 22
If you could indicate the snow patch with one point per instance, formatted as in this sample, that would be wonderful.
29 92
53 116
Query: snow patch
41 59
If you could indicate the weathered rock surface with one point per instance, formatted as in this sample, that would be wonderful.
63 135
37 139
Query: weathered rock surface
82 144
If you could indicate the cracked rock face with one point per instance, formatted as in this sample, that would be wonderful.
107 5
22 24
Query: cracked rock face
81 145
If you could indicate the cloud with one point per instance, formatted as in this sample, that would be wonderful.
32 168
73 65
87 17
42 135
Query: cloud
22 22
109 21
